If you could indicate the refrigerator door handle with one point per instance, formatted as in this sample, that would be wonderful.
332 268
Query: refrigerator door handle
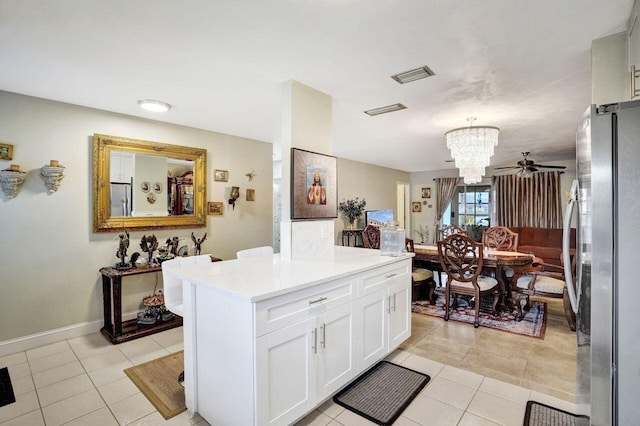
566 252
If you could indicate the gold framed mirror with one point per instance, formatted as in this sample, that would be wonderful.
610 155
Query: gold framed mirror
141 184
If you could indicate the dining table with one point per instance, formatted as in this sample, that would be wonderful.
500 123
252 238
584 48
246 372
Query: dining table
496 260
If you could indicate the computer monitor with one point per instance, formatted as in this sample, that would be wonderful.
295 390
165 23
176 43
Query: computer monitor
377 217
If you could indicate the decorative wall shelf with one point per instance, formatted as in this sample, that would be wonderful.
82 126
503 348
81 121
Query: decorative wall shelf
52 176
11 180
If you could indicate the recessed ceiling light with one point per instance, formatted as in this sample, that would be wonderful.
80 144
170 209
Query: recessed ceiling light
153 105
385 109
413 75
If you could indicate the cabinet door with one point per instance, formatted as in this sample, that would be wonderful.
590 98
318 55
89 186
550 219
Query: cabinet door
399 313
286 373
336 358
373 338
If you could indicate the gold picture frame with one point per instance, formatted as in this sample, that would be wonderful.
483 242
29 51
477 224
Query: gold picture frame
416 207
426 192
6 151
251 194
314 186
220 175
215 208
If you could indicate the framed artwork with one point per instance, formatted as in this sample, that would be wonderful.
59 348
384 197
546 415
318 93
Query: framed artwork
215 207
220 175
251 194
145 187
426 192
6 151
416 207
314 191
157 187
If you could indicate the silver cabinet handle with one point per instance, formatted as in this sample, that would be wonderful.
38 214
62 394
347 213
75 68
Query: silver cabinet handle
315 340
311 302
390 275
323 341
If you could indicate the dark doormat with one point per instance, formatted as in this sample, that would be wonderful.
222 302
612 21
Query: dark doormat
383 392
6 390
538 414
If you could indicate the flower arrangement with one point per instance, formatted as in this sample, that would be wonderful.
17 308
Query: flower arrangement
352 209
423 233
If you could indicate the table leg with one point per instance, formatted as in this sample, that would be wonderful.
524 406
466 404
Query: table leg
117 305
106 303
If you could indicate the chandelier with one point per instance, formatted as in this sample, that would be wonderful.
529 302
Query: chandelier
472 149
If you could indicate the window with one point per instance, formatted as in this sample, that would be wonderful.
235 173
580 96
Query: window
470 206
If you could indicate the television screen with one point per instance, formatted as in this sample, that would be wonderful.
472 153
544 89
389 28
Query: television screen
377 217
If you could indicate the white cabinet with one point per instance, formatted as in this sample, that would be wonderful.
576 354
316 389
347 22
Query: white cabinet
286 386
306 362
399 313
273 360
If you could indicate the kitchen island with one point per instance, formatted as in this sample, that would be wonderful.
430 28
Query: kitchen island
267 339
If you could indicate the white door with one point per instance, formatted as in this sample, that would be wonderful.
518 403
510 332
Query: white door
336 358
373 339
286 373
399 312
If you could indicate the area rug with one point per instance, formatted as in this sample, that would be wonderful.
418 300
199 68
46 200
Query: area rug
538 414
6 389
533 324
158 381
383 392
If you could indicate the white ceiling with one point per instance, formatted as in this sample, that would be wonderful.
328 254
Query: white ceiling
523 66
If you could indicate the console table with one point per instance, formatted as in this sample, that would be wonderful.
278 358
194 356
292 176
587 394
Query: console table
347 234
116 330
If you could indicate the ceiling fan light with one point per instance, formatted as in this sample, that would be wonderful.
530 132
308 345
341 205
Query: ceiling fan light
524 173
154 105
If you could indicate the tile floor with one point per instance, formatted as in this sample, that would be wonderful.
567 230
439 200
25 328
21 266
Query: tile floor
478 377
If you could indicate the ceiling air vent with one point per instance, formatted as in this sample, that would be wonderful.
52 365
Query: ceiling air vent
385 109
413 75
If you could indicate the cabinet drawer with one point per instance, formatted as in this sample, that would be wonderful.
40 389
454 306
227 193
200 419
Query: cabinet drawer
379 278
281 311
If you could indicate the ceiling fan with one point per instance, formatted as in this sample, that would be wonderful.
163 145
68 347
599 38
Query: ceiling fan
525 168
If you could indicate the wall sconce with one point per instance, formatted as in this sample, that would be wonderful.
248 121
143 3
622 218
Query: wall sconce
52 175
11 180
235 194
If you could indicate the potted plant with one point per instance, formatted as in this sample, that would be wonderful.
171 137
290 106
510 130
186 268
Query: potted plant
352 209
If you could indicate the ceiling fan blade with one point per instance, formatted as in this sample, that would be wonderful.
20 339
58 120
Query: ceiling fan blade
507 167
551 167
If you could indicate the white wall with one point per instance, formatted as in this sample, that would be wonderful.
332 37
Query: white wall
377 185
49 256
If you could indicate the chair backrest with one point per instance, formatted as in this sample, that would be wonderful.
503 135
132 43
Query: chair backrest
172 285
256 251
371 237
443 233
460 258
500 238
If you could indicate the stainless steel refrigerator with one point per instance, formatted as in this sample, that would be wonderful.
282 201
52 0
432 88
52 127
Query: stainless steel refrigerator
607 299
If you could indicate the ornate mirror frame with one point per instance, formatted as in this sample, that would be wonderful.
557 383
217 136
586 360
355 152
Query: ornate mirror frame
103 145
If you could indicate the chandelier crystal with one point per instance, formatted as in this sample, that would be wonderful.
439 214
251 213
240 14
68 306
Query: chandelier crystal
472 149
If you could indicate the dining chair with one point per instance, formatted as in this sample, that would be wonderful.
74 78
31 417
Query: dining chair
420 278
371 237
253 252
461 260
172 286
545 280
442 233
501 238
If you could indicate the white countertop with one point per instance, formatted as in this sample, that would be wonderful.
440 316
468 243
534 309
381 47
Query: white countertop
260 278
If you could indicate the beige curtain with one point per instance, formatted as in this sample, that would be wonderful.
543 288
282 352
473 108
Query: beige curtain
445 189
533 201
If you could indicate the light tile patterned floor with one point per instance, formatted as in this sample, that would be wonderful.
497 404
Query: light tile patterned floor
81 381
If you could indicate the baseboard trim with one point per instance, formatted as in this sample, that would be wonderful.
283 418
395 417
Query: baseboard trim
31 341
